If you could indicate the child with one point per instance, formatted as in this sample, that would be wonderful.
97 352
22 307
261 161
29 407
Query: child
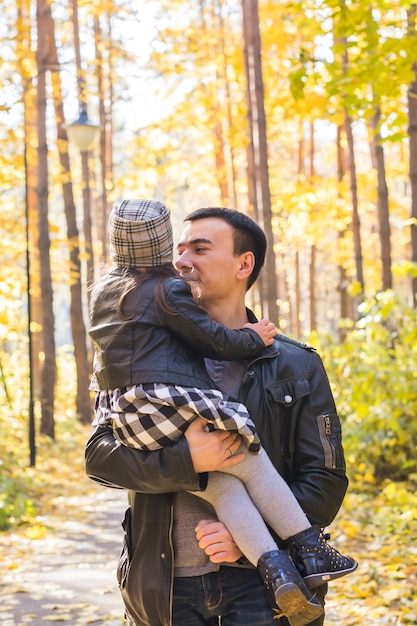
147 327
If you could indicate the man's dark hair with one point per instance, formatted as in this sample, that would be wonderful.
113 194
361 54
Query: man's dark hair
247 235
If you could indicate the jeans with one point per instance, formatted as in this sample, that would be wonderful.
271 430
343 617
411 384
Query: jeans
230 597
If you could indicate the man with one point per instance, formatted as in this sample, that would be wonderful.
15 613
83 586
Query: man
288 396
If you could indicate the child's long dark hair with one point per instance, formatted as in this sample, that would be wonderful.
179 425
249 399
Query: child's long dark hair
134 278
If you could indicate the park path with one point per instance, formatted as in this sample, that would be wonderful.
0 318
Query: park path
63 568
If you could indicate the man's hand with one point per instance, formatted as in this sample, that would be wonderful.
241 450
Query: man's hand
211 451
265 329
216 541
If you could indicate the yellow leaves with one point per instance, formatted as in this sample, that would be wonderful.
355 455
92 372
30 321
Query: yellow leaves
396 494
354 289
45 565
350 528
62 613
35 532
383 590
47 568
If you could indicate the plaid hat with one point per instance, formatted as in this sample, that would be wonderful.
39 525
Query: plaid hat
140 234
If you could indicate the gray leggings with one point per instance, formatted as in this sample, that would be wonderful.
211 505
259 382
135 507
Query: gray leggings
248 493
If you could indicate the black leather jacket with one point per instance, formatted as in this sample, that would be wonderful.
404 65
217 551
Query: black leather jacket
158 344
288 396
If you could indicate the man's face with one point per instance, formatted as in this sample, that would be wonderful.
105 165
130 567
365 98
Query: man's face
205 255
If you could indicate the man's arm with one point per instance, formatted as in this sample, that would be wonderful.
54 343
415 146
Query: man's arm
319 480
181 466
115 465
213 340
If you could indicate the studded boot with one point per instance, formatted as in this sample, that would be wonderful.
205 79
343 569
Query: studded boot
316 560
287 590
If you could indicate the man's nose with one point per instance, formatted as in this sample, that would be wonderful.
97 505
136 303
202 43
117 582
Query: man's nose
183 262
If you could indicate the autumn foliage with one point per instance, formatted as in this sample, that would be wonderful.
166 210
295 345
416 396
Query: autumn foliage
301 114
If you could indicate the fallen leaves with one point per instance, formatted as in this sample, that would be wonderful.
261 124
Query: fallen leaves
61 567
380 531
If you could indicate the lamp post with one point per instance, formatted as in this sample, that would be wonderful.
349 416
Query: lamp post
82 132
32 443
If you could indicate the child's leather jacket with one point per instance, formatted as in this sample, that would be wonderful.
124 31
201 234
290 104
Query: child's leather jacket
157 344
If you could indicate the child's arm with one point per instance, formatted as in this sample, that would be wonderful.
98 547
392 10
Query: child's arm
265 329
194 326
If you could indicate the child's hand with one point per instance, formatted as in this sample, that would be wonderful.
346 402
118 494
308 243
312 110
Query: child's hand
265 329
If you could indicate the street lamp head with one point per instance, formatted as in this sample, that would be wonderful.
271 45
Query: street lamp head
82 132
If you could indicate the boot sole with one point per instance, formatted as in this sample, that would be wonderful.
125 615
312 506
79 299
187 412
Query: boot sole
295 606
314 580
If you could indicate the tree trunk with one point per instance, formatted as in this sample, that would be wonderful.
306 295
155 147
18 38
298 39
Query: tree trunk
214 107
23 39
49 373
219 154
356 226
297 290
412 132
30 205
312 152
382 202
253 209
300 151
83 369
252 39
343 279
82 99
226 83
312 274
105 141
313 249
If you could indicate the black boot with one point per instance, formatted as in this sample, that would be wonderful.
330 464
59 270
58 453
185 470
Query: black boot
316 560
287 589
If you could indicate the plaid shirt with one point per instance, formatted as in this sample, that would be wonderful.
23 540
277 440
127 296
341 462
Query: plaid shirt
151 416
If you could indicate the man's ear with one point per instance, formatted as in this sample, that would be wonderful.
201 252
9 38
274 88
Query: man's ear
246 265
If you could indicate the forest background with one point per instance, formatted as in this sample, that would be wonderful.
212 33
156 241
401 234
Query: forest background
302 114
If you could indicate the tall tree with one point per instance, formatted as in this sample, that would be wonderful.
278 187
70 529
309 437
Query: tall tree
356 223
259 145
213 102
82 366
28 76
412 130
49 370
313 248
104 52
345 302
225 62
382 200
82 100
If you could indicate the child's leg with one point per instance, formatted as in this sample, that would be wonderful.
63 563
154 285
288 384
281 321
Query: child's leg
315 558
270 494
228 495
284 584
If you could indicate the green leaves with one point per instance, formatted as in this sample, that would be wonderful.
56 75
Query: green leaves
15 504
374 376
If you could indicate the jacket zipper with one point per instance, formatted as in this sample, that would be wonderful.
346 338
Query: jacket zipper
329 449
171 547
